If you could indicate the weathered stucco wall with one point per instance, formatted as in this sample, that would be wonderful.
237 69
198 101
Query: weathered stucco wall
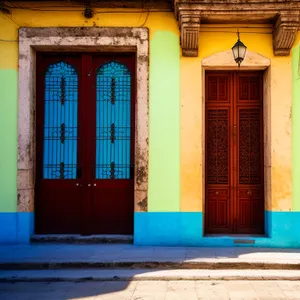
164 107
296 125
8 115
176 119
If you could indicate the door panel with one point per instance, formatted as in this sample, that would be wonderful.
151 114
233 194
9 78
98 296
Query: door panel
85 143
58 150
249 182
234 147
217 168
112 141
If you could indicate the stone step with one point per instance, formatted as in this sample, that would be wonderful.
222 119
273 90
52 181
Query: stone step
144 274
171 264
80 239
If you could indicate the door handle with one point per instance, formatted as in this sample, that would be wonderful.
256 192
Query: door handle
89 184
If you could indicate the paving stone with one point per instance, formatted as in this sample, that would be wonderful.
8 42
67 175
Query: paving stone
153 290
268 290
149 290
289 289
213 289
240 290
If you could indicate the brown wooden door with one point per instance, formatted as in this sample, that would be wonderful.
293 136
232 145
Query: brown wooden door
234 153
85 143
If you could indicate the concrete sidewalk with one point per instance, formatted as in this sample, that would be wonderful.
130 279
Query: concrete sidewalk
152 290
56 256
82 275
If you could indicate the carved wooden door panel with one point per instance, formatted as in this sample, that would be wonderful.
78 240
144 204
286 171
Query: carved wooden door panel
249 153
234 153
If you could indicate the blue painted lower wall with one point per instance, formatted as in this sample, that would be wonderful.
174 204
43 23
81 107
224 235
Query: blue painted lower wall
16 228
172 229
186 229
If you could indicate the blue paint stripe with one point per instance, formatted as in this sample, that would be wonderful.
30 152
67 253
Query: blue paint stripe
186 229
16 227
172 229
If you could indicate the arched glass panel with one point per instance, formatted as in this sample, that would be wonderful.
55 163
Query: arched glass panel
113 121
60 122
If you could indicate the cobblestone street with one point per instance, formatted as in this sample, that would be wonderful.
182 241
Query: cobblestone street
152 290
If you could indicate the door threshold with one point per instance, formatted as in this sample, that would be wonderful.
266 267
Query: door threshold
80 239
224 235
238 239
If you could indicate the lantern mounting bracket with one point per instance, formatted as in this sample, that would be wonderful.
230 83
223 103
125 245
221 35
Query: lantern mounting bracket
283 15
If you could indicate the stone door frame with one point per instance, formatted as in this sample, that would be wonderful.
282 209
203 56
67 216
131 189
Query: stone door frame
70 39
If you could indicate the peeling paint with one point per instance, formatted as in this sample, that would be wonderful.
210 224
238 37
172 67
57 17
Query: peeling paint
141 175
143 205
77 39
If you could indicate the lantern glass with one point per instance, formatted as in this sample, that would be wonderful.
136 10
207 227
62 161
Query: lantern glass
239 51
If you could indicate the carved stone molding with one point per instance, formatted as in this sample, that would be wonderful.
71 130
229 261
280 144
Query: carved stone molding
284 33
284 15
189 32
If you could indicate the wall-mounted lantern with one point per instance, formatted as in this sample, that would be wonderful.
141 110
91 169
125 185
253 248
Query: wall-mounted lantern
239 51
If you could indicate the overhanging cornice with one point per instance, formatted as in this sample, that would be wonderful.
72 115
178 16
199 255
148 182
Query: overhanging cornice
284 15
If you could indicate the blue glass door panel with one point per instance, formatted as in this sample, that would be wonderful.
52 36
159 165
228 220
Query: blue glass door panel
60 122
113 121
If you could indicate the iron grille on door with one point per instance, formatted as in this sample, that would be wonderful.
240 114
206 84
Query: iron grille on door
113 130
60 122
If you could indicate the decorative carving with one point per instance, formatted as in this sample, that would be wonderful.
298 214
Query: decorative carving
189 36
283 14
284 33
217 146
249 146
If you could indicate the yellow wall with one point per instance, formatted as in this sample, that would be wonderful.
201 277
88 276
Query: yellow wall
212 40
215 39
9 25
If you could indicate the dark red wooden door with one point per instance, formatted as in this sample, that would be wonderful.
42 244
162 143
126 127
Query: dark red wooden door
85 143
234 153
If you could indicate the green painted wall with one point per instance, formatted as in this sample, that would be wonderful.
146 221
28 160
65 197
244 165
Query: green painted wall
8 135
164 123
296 128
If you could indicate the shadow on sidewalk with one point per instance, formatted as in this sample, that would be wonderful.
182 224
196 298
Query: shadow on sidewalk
142 259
